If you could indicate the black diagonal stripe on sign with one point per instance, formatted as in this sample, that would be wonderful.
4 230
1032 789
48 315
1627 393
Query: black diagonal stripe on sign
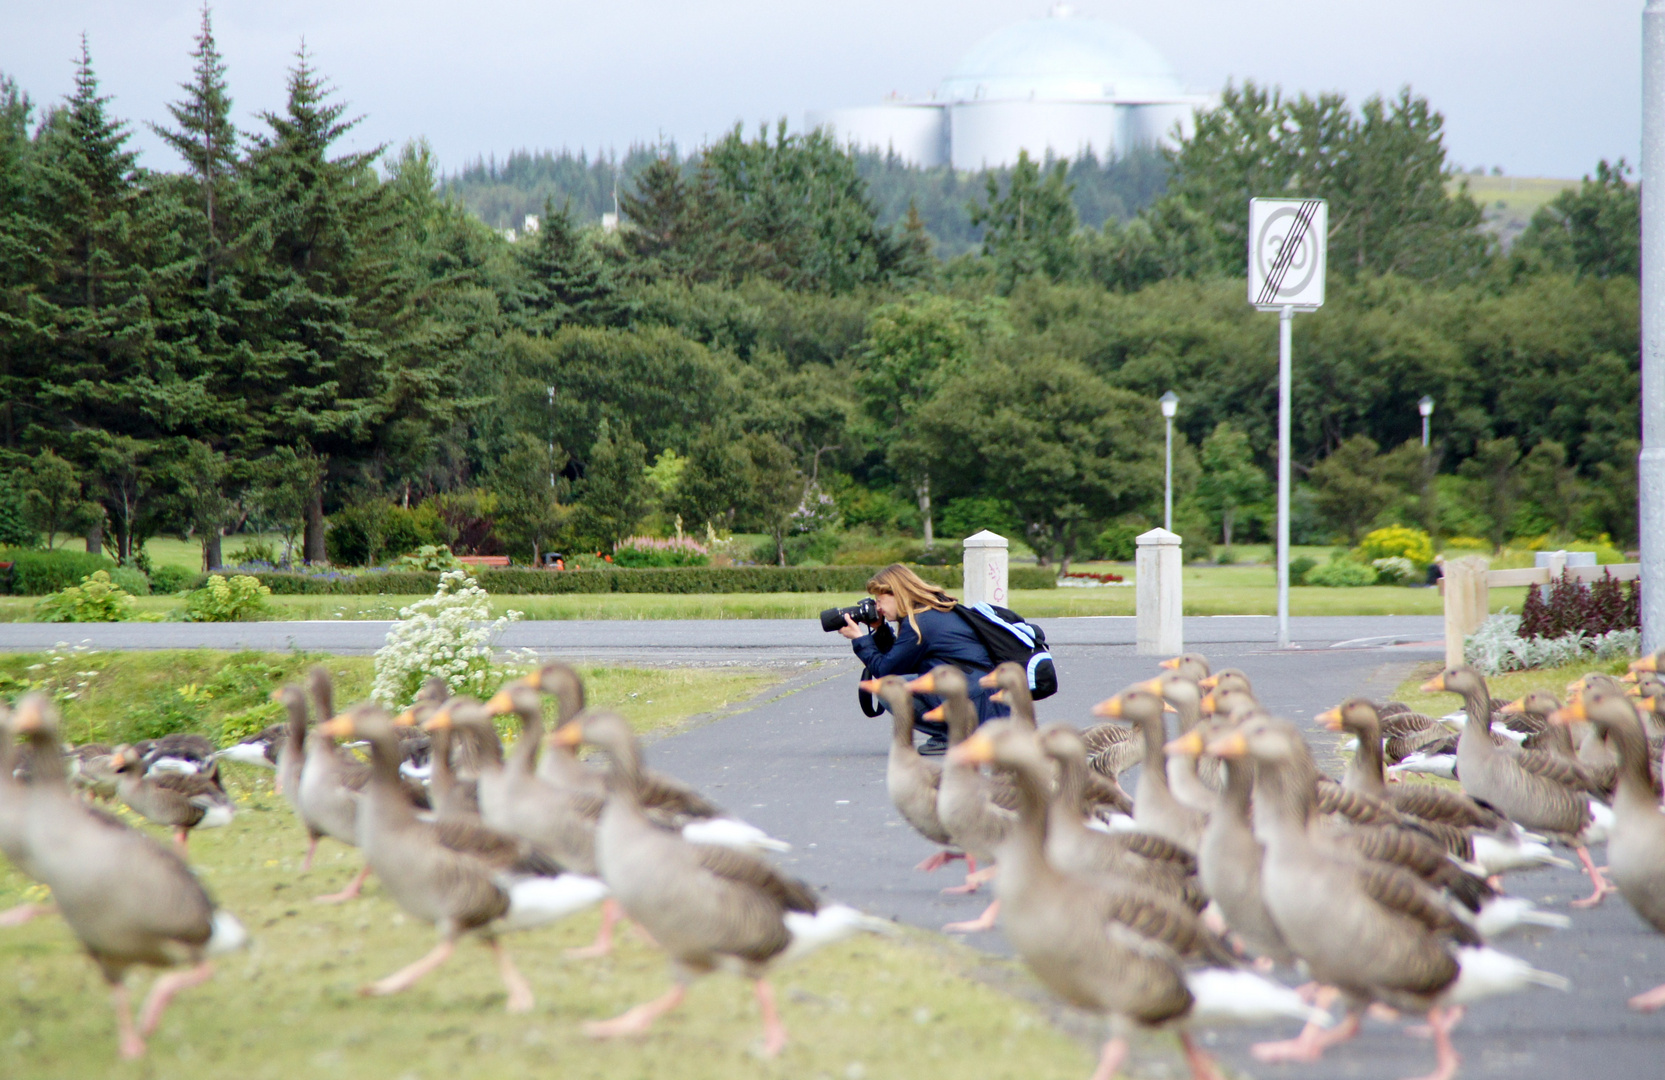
1280 266
1286 258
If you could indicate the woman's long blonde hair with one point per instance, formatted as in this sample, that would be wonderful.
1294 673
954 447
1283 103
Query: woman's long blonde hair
913 593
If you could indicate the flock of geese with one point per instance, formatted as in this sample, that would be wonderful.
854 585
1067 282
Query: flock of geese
1236 855
461 834
1166 909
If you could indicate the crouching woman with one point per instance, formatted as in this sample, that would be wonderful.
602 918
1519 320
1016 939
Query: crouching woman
928 632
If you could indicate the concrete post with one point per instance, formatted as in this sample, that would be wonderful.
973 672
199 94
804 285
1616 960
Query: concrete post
1467 602
985 568
1158 594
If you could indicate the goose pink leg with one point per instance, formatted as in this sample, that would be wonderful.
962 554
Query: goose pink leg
1313 1040
406 977
940 860
603 943
1601 885
164 990
985 921
1649 1001
774 1032
1440 1023
520 991
350 892
22 913
1202 1064
1110 1059
637 1020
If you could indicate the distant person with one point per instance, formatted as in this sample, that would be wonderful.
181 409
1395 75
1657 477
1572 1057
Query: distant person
928 632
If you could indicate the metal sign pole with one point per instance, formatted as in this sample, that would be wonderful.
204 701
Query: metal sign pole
1286 322
1650 468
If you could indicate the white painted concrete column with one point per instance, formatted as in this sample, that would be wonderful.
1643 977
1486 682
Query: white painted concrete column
1467 603
1158 594
985 568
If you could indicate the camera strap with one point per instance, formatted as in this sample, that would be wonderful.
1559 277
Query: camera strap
869 707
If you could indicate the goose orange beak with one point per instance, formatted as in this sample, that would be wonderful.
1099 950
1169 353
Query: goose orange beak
870 685
1209 704
1629 677
1189 744
988 682
1209 682
1647 663
568 734
1648 704
935 714
998 697
1515 707
1110 707
977 750
1150 686
339 726
500 703
925 684
1232 745
1330 718
1435 684
530 681
439 721
275 695
1572 712
1170 664
405 719
27 718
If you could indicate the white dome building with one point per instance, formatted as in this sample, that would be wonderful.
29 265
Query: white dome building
1061 85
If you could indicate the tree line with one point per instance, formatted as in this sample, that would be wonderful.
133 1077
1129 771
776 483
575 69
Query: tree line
282 335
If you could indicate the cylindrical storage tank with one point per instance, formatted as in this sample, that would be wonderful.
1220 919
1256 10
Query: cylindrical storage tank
916 133
1153 124
989 134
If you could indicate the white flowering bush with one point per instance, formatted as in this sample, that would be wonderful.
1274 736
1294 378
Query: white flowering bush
1497 647
1394 570
450 635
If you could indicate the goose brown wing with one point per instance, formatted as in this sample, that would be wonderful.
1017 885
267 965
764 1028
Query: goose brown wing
1161 918
1404 893
662 796
1436 804
498 850
754 873
1558 769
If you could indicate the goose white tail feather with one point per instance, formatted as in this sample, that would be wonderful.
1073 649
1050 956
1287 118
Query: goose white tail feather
1497 856
1442 765
1601 823
1505 913
729 833
218 814
1115 823
227 935
835 922
1242 997
540 900
247 754
1484 973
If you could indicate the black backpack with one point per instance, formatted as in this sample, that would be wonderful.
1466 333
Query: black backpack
1007 637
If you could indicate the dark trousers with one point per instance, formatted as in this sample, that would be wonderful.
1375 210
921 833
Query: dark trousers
924 703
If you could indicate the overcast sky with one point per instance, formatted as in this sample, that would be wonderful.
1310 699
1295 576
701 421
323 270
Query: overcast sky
1539 87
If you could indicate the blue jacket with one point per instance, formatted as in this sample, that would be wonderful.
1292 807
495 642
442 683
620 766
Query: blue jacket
947 640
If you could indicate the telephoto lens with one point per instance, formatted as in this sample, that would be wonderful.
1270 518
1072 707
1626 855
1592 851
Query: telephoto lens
865 612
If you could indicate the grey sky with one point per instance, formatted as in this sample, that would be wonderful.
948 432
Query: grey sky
1539 87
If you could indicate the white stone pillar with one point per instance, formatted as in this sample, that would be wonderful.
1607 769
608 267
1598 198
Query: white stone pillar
1158 594
1467 603
985 568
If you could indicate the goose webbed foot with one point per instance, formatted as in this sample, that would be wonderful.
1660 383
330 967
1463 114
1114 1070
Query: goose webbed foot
132 1047
349 893
985 921
1110 1059
637 1020
603 943
22 913
1202 1064
1649 1001
407 976
311 850
1440 1023
1599 884
1311 1043
520 991
939 860
974 879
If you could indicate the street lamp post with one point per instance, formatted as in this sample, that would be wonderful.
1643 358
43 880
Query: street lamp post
1170 406
1426 408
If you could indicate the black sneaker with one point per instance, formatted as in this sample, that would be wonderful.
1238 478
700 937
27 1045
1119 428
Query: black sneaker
935 746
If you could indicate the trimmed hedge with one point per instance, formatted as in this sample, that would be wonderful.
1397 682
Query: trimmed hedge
679 579
37 573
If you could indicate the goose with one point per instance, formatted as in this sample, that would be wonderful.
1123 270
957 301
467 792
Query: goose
1101 795
1155 809
1531 789
1193 780
178 752
181 801
1482 835
130 900
1075 847
92 769
968 803
558 765
1370 930
1193 666
1102 946
460 876
1636 846
912 780
260 749
13 809
707 906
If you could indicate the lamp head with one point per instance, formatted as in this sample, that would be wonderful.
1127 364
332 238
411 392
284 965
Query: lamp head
1169 403
1425 406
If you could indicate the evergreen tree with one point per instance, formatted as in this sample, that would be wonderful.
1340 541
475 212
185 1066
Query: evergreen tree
530 487
614 495
19 269
566 281
207 140
1030 230
1594 231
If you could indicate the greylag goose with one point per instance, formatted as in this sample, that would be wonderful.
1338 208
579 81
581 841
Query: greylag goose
1374 932
707 906
1636 845
1473 831
967 802
92 769
129 900
260 749
179 752
558 765
1101 945
1101 795
460 876
178 800
1154 807
1075 847
1532 789
912 780
13 808
1193 666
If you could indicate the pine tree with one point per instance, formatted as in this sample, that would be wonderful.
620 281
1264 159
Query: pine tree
566 281
18 264
207 140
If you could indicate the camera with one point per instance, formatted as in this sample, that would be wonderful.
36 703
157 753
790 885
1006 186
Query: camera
865 612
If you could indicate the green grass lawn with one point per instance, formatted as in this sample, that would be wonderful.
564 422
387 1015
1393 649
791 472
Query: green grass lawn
899 1007
1511 685
126 696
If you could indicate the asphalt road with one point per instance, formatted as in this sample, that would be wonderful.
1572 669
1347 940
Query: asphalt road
809 767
